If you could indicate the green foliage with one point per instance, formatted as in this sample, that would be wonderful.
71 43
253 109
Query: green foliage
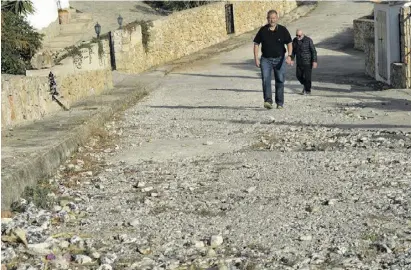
22 7
19 42
176 5
74 52
100 46
145 31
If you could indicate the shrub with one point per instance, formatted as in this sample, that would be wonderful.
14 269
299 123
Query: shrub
176 5
19 42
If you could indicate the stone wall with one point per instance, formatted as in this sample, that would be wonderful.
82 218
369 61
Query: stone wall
398 79
369 49
27 98
363 30
138 48
364 41
24 99
88 60
405 46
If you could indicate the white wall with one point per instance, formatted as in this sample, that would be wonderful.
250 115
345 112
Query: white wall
64 4
393 38
46 12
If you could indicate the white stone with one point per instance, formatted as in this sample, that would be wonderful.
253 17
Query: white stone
147 189
105 267
251 189
306 238
216 240
83 259
141 184
134 222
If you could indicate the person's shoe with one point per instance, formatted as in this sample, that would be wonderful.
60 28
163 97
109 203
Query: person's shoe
268 105
280 107
308 93
303 92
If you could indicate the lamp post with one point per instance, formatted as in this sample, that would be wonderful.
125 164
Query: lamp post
120 21
97 28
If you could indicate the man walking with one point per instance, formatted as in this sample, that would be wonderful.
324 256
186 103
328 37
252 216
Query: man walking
304 50
272 38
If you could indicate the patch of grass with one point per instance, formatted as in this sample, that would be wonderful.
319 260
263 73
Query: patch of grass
251 266
371 236
38 195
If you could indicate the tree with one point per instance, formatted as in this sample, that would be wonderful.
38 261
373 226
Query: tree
23 7
19 42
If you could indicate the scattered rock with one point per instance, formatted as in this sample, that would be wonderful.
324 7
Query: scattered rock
134 223
216 240
83 259
305 238
108 258
145 250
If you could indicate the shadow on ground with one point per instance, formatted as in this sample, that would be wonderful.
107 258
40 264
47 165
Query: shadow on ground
334 43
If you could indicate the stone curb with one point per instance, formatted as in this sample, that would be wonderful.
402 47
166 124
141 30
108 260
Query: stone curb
27 171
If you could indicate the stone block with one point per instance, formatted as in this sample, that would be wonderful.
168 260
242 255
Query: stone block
398 75
369 49
363 31
41 60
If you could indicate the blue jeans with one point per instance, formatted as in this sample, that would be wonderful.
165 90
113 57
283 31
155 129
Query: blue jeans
267 65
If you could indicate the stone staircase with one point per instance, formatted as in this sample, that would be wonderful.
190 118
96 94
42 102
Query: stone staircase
71 33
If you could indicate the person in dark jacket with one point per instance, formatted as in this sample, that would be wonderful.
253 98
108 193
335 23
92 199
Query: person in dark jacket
306 57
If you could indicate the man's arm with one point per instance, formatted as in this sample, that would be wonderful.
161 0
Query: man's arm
294 48
313 53
289 41
256 49
290 49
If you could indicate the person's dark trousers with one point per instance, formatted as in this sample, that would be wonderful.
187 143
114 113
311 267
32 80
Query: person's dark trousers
267 65
304 76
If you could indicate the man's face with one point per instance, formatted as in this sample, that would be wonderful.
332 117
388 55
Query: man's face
272 19
299 35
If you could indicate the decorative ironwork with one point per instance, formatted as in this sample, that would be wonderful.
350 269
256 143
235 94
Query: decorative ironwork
53 85
229 18
53 91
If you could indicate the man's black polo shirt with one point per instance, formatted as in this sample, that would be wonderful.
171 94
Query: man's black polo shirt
273 42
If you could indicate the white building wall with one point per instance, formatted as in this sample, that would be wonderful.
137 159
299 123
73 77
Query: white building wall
46 12
392 37
64 4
